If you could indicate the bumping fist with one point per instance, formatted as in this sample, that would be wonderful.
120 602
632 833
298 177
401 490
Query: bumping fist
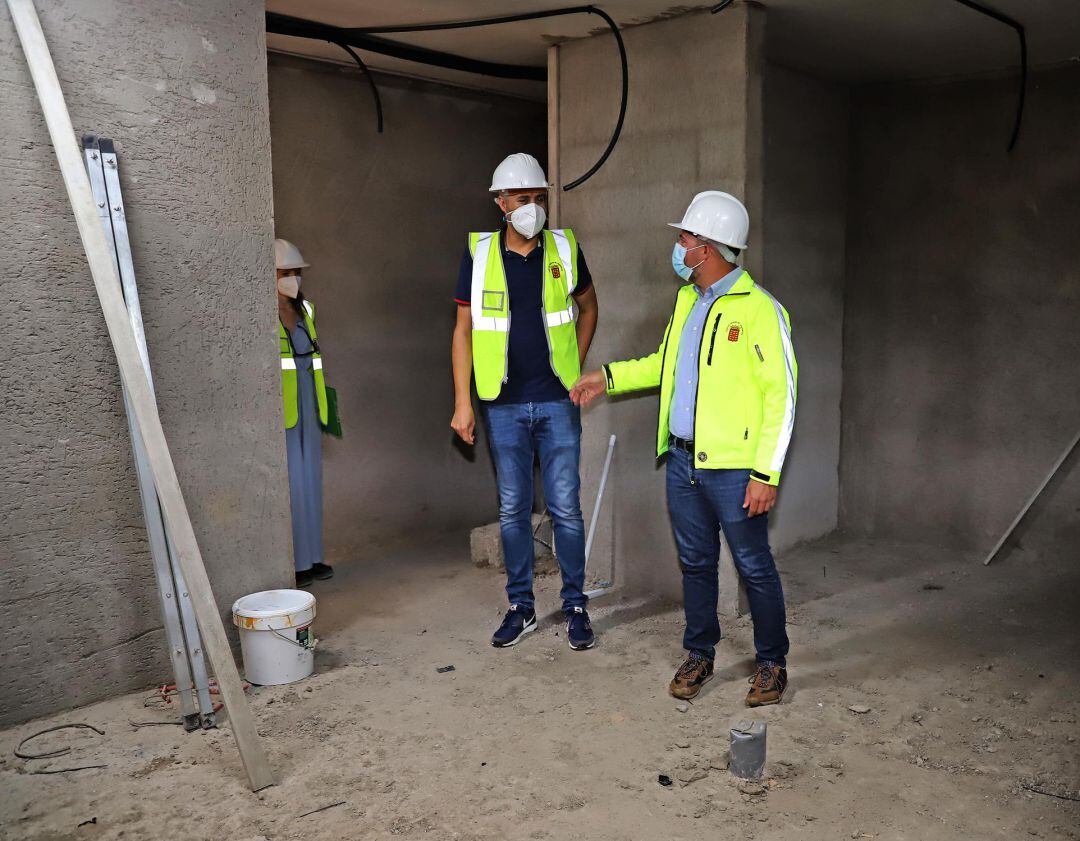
588 387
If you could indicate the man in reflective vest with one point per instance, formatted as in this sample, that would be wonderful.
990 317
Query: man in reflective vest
727 376
519 333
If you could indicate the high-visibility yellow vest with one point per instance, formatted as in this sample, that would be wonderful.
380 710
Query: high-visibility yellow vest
490 305
288 372
747 380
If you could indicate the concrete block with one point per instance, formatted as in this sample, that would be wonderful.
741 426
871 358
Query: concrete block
485 546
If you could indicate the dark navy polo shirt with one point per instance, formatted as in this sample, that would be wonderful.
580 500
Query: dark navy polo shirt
529 375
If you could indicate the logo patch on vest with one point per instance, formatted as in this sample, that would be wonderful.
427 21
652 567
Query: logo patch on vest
556 270
734 331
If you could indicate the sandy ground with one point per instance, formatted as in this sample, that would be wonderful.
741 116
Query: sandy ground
969 674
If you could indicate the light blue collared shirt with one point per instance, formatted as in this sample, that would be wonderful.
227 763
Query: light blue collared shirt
684 400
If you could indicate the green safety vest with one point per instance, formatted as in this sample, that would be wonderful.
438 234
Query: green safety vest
747 379
490 305
288 372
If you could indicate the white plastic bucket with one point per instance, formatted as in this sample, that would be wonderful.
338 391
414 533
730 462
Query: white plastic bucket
276 637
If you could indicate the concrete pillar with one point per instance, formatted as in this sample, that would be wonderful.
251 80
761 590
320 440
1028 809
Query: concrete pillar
693 122
182 90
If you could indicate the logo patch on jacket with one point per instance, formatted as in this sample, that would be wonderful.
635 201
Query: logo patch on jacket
556 270
734 331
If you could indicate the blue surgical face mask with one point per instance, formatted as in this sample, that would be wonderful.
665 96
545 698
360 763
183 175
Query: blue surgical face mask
678 261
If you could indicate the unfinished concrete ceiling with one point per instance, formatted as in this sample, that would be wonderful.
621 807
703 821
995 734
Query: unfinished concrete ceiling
846 40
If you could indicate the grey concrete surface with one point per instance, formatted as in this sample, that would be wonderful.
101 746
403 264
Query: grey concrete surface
383 220
963 291
182 90
806 135
684 132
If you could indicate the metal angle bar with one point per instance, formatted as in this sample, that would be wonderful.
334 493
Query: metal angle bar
1032 498
155 529
600 591
122 244
196 655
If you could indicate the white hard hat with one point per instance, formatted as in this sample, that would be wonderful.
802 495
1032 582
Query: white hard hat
288 256
518 172
717 216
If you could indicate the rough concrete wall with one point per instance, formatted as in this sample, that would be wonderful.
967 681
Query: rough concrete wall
182 90
806 132
684 132
963 291
383 221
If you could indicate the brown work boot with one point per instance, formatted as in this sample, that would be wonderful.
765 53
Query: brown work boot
767 685
694 673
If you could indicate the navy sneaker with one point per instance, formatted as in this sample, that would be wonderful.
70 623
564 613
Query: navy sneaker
518 622
579 629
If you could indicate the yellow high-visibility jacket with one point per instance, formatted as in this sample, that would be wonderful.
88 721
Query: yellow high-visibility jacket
747 378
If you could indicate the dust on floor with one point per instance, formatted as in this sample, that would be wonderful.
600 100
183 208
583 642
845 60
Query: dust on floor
967 675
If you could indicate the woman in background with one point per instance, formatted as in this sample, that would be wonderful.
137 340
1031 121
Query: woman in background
303 390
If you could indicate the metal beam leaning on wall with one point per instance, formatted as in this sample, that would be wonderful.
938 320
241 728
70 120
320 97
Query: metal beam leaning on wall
181 629
155 526
144 408
553 134
1032 498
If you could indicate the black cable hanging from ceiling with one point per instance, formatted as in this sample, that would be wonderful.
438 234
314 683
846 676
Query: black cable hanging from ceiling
300 28
371 81
365 38
1019 27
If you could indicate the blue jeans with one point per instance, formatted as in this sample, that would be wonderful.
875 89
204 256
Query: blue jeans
518 432
702 503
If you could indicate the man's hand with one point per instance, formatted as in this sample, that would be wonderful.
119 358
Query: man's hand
588 387
464 423
760 498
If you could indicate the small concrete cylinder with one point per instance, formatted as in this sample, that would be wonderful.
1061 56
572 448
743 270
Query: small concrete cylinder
748 750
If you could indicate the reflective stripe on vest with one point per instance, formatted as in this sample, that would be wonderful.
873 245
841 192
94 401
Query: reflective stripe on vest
490 309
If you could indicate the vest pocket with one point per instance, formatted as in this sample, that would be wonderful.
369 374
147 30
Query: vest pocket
712 339
492 300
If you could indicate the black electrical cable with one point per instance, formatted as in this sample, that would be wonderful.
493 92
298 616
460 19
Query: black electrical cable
364 38
1019 27
300 28
49 754
570 10
371 81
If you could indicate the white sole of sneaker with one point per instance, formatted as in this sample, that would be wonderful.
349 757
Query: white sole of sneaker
528 628
581 647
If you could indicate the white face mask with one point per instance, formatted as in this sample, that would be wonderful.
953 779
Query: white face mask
528 220
289 285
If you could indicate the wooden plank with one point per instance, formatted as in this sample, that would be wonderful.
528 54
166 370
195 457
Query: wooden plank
144 409
1031 500
554 195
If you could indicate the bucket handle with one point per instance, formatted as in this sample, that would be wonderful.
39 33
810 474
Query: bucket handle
306 647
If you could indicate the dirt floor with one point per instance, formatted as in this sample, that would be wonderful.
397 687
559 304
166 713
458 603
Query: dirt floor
968 673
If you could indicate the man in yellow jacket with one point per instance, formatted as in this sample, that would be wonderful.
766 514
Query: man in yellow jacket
727 377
